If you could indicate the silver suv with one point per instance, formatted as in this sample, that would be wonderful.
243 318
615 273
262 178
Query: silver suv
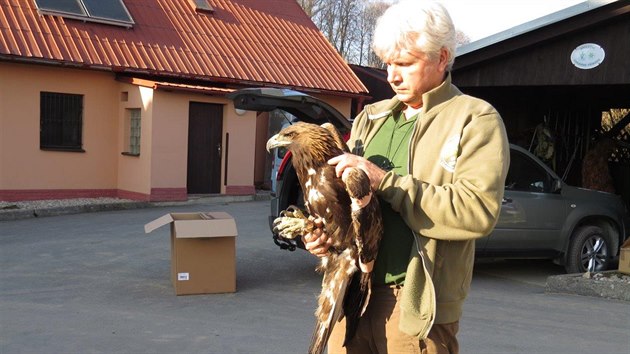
541 216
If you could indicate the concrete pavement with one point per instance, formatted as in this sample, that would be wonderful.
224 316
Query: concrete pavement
95 283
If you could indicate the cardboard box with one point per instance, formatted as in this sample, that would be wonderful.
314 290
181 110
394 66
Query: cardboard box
624 257
203 251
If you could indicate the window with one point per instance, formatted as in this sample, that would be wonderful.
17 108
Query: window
105 11
526 175
61 121
201 5
132 129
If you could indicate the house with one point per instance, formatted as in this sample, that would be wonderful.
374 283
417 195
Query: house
375 80
559 77
126 98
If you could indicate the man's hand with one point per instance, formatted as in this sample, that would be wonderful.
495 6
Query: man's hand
317 242
345 161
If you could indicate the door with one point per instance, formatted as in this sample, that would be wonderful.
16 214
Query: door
205 129
532 212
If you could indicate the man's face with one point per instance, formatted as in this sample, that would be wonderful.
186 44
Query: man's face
412 74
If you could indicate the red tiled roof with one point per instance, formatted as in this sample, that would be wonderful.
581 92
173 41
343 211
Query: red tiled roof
254 42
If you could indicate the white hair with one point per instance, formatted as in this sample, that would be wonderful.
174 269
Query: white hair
417 26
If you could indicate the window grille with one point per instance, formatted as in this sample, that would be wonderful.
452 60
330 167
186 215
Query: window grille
134 131
61 121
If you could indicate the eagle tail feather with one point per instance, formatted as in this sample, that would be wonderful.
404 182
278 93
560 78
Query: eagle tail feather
337 274
355 303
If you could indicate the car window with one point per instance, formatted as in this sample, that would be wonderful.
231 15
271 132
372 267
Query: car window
526 175
281 151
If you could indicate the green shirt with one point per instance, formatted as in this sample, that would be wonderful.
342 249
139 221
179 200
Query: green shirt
389 149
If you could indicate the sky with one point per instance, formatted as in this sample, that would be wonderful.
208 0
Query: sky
482 18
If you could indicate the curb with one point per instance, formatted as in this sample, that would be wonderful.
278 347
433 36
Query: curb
578 284
19 214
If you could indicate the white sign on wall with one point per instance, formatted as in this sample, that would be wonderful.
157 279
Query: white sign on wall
587 56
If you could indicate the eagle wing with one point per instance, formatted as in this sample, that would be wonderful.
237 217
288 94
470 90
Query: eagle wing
352 220
351 216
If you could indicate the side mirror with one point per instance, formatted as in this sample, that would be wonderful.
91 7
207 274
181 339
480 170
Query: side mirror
556 186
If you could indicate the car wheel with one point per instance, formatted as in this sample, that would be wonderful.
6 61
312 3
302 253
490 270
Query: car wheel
589 250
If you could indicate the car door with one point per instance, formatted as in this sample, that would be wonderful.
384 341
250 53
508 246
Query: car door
532 211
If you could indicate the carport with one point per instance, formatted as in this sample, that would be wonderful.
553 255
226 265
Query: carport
560 82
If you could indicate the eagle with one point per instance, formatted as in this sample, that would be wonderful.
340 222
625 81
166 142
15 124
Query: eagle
351 218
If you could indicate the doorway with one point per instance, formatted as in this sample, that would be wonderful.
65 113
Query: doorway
205 130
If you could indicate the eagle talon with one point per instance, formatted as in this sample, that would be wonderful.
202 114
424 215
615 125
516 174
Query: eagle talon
289 227
293 212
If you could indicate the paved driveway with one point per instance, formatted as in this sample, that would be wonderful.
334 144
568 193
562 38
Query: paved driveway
95 283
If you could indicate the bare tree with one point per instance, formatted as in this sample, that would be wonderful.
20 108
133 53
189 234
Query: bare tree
349 26
336 19
311 7
371 12
349 12
461 38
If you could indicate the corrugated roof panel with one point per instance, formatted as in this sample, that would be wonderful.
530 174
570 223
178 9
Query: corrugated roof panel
83 49
176 61
161 58
276 59
291 46
115 60
88 47
267 41
30 45
9 42
21 42
218 62
47 45
153 57
71 44
101 50
62 53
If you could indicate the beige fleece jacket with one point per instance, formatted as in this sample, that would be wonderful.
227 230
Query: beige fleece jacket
458 158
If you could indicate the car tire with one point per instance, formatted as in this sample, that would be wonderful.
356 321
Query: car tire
589 250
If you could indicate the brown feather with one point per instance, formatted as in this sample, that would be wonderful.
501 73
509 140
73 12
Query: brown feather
355 232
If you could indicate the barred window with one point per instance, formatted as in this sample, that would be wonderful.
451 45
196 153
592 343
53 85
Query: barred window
61 121
133 131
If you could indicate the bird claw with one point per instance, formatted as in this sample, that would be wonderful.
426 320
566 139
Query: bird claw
291 223
293 212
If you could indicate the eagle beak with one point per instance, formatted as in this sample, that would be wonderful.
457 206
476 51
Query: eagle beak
275 142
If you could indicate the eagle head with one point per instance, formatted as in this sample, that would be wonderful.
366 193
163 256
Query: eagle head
306 139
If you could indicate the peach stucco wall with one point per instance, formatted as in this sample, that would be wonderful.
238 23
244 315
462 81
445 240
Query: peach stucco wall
242 143
23 165
169 136
157 173
169 139
134 172
342 104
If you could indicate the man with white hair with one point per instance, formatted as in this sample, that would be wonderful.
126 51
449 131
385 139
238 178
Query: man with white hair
437 159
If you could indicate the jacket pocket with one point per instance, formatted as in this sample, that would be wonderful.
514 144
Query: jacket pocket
453 270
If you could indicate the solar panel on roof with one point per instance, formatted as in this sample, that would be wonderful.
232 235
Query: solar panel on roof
107 11
67 6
